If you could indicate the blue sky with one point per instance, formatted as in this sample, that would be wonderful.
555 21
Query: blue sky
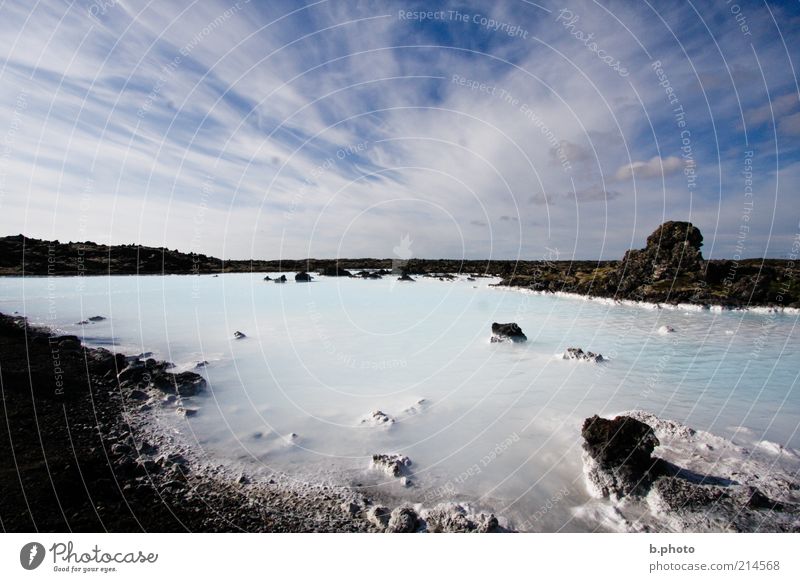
510 130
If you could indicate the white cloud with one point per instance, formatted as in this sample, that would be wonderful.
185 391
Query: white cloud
655 167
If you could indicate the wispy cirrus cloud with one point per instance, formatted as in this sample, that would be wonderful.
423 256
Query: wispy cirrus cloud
274 129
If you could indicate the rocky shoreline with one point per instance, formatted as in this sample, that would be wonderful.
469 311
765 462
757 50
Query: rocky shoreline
660 475
82 454
84 451
669 271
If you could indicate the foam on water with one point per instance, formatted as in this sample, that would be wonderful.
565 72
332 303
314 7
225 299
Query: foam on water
494 424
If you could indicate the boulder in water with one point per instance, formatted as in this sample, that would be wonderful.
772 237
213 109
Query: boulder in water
393 465
579 354
502 332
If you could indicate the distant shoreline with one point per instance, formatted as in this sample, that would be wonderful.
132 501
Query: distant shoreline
669 270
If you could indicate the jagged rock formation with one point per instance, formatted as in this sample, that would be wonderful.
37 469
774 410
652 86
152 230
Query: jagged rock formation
670 269
749 491
618 453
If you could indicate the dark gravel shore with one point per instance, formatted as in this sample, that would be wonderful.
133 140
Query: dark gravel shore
71 458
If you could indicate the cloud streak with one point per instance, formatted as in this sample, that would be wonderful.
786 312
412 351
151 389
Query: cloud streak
277 130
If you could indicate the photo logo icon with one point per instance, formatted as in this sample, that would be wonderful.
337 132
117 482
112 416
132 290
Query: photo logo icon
31 555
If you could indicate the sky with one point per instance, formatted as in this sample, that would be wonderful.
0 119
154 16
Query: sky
506 130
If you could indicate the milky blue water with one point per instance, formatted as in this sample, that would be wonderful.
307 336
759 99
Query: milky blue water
499 424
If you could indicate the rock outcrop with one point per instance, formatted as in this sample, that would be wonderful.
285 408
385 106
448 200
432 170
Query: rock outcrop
747 491
617 455
502 332
302 277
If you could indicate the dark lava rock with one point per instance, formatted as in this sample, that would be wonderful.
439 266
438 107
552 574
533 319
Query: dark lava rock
672 256
579 354
405 277
189 383
97 318
618 455
239 335
507 331
281 279
403 520
336 271
678 494
267 278
302 277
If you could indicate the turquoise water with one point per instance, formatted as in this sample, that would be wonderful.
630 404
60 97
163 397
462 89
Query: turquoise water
499 424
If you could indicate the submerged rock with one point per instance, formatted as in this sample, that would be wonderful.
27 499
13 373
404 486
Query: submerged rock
393 465
579 354
95 318
239 335
281 279
665 329
617 457
378 418
502 332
